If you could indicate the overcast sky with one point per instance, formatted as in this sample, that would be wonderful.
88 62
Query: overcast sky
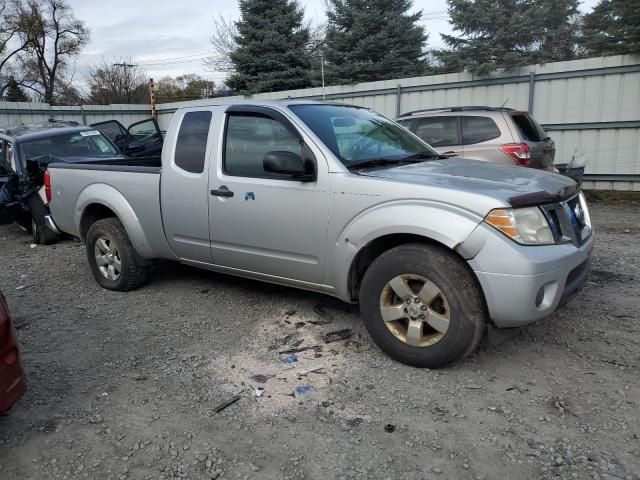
157 31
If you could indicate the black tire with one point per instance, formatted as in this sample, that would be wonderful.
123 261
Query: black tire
467 315
40 231
134 270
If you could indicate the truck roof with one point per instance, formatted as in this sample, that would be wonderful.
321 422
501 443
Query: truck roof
34 131
266 103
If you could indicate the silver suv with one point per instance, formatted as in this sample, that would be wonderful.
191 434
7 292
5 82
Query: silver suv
498 135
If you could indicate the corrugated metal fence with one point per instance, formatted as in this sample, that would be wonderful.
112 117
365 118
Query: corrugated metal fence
591 107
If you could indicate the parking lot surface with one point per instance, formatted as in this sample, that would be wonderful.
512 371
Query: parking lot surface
127 385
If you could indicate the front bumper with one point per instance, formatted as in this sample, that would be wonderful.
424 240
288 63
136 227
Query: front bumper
523 284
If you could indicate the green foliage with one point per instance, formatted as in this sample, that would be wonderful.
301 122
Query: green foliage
613 28
271 50
369 40
509 33
15 93
186 87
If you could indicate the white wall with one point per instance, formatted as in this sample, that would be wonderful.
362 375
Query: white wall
572 99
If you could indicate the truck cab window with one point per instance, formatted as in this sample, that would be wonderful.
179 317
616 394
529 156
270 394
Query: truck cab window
191 147
249 138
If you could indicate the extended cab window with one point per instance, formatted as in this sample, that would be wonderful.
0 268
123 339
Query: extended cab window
438 131
478 129
249 138
191 147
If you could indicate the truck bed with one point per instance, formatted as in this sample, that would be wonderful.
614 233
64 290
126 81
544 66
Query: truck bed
130 187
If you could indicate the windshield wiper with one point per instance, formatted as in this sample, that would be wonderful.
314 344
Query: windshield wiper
424 156
382 162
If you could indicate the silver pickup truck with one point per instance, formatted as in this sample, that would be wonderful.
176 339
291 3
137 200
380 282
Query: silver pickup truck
339 200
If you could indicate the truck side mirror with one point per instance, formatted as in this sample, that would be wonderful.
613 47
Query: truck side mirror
288 163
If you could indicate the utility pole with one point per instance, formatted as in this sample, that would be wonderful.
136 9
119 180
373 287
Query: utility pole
324 96
126 66
152 93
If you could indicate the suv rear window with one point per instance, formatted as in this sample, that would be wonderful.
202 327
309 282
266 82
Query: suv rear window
529 128
478 130
438 131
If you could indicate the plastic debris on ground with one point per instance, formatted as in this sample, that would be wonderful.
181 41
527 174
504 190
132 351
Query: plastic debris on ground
261 378
339 335
302 389
325 317
226 404
289 359
317 348
307 371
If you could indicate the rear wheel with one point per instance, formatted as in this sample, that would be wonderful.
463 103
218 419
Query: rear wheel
421 306
114 262
40 231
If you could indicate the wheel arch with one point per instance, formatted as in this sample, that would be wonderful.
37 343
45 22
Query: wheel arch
100 201
91 214
366 255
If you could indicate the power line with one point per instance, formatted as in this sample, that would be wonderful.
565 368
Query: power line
162 61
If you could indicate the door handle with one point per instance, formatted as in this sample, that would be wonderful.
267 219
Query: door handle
450 154
222 192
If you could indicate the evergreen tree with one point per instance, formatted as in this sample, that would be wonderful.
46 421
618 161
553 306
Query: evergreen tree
613 28
14 92
271 51
509 33
370 40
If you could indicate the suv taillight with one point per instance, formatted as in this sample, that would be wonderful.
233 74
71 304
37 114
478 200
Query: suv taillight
47 186
520 152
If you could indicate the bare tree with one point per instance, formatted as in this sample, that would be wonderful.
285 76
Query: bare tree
14 38
223 42
56 37
117 81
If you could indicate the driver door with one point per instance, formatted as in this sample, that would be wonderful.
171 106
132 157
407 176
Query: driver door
260 222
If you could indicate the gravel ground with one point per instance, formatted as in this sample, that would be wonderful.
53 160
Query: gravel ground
126 385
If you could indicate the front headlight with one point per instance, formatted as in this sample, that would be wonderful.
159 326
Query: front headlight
584 217
527 226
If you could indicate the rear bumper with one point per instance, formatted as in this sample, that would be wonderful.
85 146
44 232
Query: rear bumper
525 284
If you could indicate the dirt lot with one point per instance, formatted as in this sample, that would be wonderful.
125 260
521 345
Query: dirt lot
126 385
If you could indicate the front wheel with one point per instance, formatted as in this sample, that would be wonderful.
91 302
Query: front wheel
114 262
422 306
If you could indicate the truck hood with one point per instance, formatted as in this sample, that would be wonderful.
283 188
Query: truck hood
515 186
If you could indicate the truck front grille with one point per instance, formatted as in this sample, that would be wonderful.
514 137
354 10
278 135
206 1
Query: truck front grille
569 221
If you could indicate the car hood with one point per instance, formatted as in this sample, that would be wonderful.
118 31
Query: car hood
515 186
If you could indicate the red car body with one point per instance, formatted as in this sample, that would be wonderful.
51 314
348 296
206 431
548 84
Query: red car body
12 381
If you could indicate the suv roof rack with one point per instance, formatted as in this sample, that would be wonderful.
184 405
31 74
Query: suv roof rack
468 108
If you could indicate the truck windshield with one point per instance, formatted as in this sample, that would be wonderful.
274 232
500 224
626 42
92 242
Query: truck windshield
81 144
359 136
